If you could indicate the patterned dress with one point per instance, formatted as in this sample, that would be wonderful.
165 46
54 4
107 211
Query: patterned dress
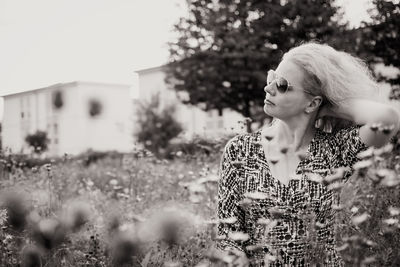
293 213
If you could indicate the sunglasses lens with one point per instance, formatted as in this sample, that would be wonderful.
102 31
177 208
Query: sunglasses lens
282 85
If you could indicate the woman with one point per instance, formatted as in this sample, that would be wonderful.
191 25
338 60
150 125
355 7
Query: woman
271 201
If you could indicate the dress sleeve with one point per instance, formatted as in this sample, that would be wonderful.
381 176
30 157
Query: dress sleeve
229 195
348 144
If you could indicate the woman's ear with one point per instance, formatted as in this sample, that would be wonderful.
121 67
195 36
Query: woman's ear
315 104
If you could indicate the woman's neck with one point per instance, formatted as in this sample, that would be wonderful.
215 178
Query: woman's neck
296 136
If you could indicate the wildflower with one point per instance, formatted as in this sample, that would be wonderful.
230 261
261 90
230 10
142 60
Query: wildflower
391 221
238 236
256 247
368 153
171 225
226 84
113 182
49 233
212 178
337 207
245 202
357 220
342 247
267 222
362 164
230 220
124 246
354 209
195 198
394 211
216 255
368 260
77 215
276 212
314 177
386 149
256 195
172 264
197 188
338 175
31 256
16 210
390 179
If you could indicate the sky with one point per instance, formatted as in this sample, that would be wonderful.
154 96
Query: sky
44 42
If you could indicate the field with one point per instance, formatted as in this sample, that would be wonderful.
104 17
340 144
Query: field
136 210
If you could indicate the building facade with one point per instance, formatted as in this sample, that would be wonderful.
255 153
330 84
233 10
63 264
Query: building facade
76 116
194 120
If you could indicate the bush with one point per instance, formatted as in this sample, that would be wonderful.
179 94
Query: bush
156 126
38 141
197 145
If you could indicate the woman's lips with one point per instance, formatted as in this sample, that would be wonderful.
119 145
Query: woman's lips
266 101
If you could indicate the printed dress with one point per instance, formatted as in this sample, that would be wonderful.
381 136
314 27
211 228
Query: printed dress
244 171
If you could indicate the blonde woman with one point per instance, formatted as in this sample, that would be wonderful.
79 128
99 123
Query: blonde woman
324 113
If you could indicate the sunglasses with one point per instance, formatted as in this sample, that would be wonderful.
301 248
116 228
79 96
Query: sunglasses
282 85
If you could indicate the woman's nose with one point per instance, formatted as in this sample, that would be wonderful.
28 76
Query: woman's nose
269 89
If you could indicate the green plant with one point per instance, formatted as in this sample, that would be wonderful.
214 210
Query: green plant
157 125
38 141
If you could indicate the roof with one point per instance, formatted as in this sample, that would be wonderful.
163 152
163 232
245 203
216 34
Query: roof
152 69
58 85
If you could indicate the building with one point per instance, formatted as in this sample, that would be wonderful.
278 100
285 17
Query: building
76 116
194 120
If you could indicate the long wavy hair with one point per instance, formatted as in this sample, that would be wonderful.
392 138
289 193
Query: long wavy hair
333 74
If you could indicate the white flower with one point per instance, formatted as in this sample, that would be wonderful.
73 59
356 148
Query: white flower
226 84
357 220
362 164
394 211
256 195
113 182
238 236
230 220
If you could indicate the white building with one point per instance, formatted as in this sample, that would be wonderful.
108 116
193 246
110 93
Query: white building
76 116
194 120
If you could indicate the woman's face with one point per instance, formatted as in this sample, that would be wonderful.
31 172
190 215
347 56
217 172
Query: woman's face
294 101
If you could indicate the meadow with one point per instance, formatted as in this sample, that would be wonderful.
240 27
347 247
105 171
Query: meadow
136 210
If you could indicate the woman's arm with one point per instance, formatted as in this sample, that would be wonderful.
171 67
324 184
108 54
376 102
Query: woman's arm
379 122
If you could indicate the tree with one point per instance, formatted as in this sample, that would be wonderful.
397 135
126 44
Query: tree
225 48
38 141
156 125
381 36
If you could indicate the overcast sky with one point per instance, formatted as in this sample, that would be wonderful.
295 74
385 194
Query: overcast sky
44 42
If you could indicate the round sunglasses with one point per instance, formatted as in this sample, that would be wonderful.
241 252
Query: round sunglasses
282 85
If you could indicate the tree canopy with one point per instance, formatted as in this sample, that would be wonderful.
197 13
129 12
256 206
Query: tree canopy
225 48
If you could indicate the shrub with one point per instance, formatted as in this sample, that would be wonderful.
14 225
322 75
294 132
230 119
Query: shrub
38 141
156 125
